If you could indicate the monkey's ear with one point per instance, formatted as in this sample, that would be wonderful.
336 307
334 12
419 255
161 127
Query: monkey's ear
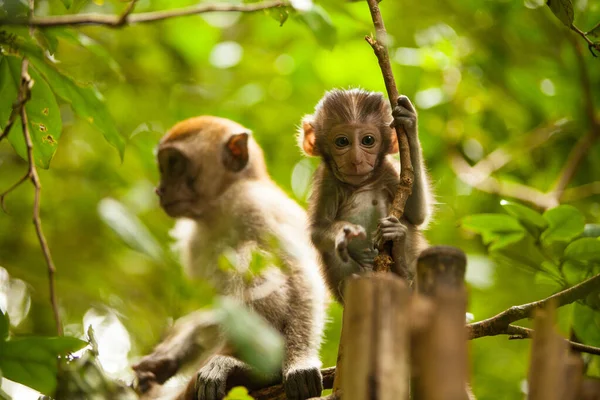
306 137
393 143
235 153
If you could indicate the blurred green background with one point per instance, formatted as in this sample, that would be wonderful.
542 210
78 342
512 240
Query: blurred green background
481 74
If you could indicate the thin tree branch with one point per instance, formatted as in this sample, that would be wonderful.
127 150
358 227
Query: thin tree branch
581 192
378 43
489 184
590 43
499 323
128 10
519 332
24 93
581 149
277 392
116 21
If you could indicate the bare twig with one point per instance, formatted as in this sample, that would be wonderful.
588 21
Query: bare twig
127 18
581 149
519 332
489 184
581 192
499 323
590 43
277 392
378 43
128 10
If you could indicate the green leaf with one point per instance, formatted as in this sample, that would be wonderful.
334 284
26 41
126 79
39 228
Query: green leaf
565 223
32 361
4 325
256 342
595 32
492 226
531 219
238 393
129 228
586 323
591 230
85 101
43 115
585 249
563 10
319 23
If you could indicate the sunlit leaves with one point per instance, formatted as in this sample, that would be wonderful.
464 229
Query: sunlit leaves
238 393
256 342
563 9
586 323
85 101
129 228
32 361
43 115
585 249
564 224
528 217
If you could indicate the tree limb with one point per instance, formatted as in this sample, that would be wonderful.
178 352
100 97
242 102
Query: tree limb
126 18
384 261
519 332
277 392
499 324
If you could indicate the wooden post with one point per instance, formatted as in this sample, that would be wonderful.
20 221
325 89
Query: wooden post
548 355
375 365
440 348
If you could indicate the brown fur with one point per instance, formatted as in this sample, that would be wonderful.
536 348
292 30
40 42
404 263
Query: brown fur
337 205
231 205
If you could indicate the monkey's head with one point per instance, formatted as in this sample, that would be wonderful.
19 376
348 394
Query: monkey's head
350 130
200 158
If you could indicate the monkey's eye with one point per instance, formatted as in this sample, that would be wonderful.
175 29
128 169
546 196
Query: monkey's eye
341 141
368 141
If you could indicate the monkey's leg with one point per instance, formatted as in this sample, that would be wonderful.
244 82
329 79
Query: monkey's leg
193 337
302 368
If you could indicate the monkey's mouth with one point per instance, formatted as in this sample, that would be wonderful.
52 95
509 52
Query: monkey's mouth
177 208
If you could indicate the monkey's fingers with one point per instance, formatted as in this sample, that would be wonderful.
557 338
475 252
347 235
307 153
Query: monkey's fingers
342 250
405 102
144 382
389 221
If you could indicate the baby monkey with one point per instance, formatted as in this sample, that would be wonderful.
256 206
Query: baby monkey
355 184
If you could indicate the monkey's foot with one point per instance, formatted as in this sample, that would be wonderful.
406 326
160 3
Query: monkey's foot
302 384
211 382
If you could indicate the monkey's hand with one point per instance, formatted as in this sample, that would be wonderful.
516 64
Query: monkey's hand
154 369
211 380
343 238
406 115
390 229
303 383
365 258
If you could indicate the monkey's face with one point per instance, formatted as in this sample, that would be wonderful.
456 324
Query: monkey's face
355 150
178 180
198 160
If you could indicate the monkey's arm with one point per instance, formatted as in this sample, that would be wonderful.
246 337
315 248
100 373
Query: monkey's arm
418 204
193 338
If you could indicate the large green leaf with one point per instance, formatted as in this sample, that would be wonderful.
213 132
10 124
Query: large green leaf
586 323
254 340
32 361
85 100
591 230
563 9
43 115
129 228
584 249
532 220
492 226
565 223
319 23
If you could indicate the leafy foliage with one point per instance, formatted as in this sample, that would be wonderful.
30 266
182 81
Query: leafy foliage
484 78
